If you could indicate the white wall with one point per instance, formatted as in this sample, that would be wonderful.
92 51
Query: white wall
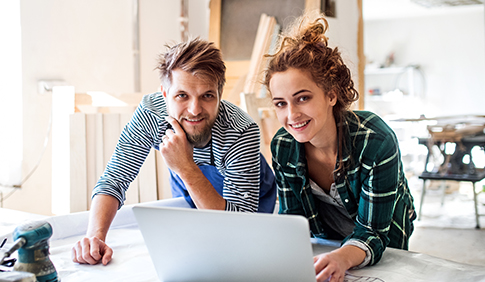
89 45
343 31
450 48
10 97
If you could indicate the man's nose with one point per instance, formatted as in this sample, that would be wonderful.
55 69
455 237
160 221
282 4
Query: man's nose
194 107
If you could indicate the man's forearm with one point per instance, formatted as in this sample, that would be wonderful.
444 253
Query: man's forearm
201 190
103 210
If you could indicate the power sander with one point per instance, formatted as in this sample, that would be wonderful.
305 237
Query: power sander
31 241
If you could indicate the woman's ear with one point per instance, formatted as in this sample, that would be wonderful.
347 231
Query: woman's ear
332 96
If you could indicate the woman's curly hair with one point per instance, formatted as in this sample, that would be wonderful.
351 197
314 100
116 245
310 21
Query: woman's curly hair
304 46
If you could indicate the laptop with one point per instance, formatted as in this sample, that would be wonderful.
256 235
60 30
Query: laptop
207 245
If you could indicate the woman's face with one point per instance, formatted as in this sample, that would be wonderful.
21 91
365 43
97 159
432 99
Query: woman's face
301 106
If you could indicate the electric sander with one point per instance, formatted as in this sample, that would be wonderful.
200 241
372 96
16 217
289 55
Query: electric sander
31 241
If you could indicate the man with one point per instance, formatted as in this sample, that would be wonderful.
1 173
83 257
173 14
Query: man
210 146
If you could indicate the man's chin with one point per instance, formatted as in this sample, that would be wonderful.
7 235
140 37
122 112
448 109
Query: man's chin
198 141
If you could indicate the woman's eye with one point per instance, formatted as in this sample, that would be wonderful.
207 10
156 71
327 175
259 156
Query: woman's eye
279 104
303 98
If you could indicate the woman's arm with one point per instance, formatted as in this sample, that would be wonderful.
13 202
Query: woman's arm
333 265
379 186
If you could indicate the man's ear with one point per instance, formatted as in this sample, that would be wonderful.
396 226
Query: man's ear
163 92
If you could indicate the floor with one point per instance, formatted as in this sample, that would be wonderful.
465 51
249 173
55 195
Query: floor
448 231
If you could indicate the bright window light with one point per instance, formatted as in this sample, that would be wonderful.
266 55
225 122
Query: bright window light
11 141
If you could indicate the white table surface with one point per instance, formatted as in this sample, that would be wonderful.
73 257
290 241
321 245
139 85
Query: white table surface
131 261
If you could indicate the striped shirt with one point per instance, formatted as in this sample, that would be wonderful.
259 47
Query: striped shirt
372 187
235 149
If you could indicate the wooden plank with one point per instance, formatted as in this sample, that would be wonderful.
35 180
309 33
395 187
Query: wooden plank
361 57
147 179
78 179
215 22
261 47
133 193
91 175
163 176
236 72
111 132
312 5
62 108
250 105
258 50
99 146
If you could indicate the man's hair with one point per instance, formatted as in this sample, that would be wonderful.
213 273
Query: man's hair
196 56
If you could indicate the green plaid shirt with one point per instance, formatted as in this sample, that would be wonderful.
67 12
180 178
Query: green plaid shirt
373 187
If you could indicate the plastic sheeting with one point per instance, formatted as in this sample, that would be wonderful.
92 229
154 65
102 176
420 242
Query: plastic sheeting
131 261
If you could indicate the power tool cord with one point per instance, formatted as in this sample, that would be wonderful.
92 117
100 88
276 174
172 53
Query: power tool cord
16 187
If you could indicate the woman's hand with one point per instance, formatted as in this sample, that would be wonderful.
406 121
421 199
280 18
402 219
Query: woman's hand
333 265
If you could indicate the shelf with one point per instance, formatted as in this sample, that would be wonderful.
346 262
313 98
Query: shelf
390 70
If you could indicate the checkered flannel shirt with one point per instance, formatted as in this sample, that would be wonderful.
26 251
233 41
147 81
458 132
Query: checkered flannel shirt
373 187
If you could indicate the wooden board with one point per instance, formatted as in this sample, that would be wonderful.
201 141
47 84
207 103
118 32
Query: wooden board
78 197
240 20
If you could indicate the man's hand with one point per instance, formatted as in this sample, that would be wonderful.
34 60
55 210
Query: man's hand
176 149
91 251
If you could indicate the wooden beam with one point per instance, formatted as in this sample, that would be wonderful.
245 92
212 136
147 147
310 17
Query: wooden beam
215 22
361 57
78 195
266 32
312 5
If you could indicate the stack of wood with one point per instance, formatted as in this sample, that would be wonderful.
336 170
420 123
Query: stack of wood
253 98
453 129
266 37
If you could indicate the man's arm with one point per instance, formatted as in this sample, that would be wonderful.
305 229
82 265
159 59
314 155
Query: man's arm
92 249
135 142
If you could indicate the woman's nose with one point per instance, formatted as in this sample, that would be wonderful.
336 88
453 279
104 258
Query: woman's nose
293 112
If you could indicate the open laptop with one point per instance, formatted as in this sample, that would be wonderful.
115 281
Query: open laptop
207 245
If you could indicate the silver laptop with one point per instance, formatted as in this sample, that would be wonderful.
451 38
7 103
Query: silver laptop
203 245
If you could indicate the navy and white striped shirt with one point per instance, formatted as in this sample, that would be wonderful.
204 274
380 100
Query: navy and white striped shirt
235 148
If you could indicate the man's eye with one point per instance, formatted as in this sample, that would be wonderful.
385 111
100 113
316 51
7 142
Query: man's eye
181 96
208 96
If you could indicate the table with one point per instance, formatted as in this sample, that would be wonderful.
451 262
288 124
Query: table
453 167
131 261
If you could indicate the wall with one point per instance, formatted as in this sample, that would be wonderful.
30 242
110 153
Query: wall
343 31
10 97
89 45
450 48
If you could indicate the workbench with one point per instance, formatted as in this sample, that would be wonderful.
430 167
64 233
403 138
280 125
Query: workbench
131 261
453 167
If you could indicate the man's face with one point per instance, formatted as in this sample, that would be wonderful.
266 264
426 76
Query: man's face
194 102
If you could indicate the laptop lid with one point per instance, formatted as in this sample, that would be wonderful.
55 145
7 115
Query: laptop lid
207 245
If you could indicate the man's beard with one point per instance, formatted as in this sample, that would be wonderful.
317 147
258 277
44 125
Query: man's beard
201 136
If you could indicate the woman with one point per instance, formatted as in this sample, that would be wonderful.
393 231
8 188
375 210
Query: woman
340 169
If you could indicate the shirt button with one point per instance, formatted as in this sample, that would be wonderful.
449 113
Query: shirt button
245 195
